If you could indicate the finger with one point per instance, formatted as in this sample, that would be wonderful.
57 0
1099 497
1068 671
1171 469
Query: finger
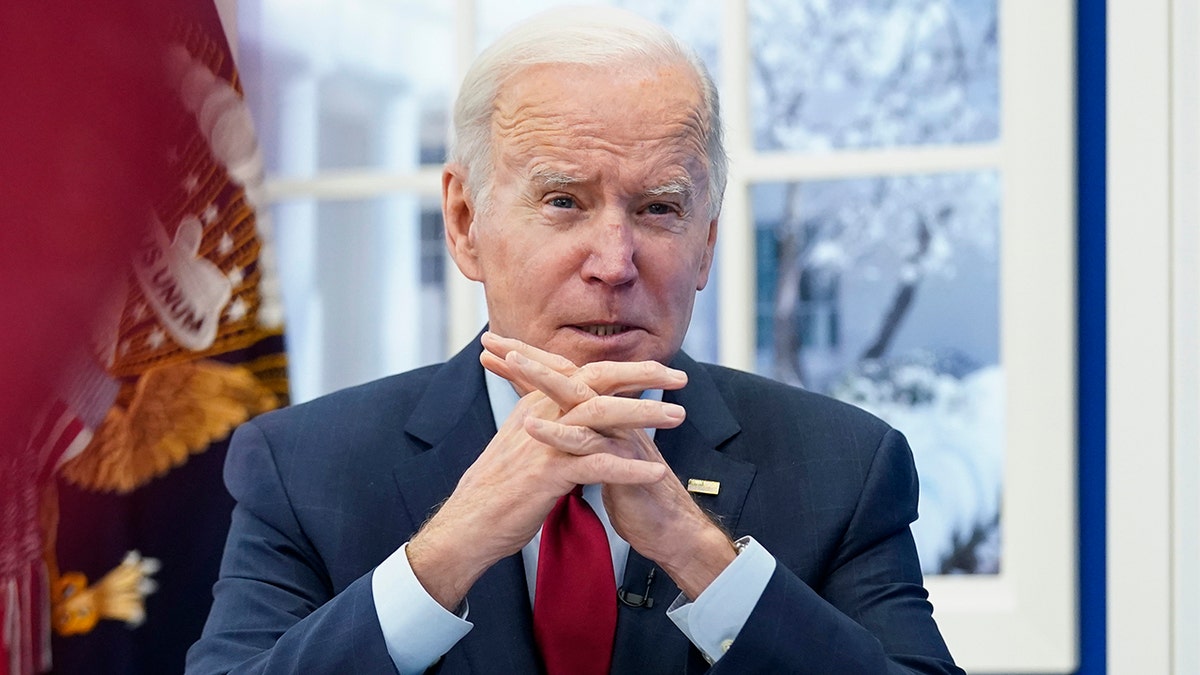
613 412
579 441
501 346
500 367
567 392
605 377
630 377
575 440
603 467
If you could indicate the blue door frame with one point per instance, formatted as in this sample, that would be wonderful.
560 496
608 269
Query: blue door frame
1091 43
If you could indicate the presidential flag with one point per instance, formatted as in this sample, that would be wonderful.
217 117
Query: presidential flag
115 512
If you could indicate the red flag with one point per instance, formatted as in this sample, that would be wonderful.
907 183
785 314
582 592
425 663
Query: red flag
80 156
140 325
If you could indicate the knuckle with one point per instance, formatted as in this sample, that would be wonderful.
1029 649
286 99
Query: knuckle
594 406
579 436
590 376
649 368
580 389
606 462
592 445
647 408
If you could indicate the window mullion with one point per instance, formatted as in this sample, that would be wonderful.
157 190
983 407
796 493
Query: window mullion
736 301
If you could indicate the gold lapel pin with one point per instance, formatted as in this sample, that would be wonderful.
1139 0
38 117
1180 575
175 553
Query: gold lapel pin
703 487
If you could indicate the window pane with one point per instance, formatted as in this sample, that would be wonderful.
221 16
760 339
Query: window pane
873 73
884 292
348 83
363 289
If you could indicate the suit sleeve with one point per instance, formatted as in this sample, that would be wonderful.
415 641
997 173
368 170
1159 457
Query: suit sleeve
871 614
274 611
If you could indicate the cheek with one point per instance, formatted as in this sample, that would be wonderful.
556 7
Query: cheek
675 272
546 255
523 269
497 250
694 257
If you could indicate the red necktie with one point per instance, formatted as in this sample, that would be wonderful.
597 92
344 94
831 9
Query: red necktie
575 605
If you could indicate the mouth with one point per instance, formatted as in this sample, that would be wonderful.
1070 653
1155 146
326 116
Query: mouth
603 329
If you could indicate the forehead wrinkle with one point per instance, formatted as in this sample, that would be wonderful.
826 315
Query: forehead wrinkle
542 140
523 126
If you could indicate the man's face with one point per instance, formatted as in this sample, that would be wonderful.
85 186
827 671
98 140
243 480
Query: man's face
597 234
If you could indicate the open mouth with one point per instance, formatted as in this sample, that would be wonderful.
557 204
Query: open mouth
604 330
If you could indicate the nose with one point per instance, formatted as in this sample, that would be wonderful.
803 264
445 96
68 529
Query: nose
611 254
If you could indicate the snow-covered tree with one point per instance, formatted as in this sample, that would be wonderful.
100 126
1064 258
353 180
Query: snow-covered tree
860 73
838 75
834 74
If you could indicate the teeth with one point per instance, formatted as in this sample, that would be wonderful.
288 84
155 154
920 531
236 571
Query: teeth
605 331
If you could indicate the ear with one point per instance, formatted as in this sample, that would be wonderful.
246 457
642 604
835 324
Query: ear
710 248
458 214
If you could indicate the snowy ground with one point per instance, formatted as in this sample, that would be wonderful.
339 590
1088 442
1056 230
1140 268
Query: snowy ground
956 430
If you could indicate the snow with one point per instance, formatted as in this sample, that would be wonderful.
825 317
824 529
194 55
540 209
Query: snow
956 430
862 73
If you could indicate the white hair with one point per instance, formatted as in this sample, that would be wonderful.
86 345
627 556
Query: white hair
591 36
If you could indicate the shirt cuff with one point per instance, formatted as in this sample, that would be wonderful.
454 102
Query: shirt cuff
714 620
416 629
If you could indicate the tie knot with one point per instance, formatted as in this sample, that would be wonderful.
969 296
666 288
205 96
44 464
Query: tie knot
577 491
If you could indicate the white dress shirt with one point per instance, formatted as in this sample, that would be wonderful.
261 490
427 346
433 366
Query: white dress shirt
418 630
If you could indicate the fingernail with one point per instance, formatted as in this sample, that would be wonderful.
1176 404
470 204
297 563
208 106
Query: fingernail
674 411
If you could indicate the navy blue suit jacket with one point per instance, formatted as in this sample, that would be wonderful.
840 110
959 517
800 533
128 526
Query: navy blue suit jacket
326 490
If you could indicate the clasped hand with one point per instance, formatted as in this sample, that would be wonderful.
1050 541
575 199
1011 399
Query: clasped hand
574 425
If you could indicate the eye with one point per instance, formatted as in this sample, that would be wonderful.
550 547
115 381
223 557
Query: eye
660 209
562 202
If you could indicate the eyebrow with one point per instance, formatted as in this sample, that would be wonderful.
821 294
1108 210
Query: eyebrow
681 186
678 186
554 178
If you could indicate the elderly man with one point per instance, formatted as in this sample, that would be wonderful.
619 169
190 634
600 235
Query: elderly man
571 493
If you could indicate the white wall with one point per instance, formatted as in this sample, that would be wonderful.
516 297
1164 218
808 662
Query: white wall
1153 303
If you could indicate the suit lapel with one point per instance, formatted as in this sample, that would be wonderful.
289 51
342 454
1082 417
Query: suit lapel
647 641
694 449
454 419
